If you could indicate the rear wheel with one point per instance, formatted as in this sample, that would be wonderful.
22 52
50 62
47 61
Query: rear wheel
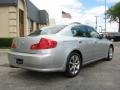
110 53
73 64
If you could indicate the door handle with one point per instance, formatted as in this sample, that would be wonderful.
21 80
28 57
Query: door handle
80 41
96 42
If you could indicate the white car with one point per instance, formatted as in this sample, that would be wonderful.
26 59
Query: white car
62 48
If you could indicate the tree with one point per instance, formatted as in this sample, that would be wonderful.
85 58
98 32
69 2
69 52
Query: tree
113 14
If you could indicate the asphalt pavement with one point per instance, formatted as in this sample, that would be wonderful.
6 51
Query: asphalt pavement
101 75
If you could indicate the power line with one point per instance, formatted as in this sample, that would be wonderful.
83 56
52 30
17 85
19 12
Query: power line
105 15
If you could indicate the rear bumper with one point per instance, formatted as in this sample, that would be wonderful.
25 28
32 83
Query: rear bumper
36 62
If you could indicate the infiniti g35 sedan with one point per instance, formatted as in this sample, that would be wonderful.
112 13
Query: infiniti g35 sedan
63 48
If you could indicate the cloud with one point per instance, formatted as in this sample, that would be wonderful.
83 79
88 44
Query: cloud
96 11
89 18
109 1
90 14
74 7
77 11
55 7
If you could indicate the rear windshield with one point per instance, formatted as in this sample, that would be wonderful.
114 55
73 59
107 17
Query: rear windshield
48 30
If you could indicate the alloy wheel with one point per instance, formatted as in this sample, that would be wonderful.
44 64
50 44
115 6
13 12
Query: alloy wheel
110 53
73 64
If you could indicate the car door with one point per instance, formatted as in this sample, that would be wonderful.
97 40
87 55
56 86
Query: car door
86 44
100 46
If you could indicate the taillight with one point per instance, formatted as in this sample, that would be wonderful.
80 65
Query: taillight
44 44
13 45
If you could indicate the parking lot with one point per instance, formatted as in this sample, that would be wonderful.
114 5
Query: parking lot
101 75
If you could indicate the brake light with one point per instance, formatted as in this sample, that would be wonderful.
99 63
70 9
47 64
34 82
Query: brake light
13 45
44 44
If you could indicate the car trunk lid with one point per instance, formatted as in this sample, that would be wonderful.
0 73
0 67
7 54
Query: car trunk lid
23 44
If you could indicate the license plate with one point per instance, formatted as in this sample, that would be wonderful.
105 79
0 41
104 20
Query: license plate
19 61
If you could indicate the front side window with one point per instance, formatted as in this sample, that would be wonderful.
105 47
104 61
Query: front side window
92 33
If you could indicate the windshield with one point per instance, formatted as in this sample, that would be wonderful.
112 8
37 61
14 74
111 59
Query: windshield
48 30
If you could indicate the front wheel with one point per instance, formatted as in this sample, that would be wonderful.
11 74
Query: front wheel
110 53
73 64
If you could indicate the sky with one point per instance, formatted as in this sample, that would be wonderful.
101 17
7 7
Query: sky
83 11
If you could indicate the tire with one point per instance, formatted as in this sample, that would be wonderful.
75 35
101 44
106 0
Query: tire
73 65
110 54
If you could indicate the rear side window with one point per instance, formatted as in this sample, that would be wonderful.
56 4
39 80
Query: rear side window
48 30
79 31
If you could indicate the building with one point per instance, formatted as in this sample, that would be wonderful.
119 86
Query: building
20 17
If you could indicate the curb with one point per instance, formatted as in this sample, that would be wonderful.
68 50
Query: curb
2 51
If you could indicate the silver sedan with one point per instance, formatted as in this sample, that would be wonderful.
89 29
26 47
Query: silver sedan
62 48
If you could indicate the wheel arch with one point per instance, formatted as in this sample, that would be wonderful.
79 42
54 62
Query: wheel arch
79 52
67 71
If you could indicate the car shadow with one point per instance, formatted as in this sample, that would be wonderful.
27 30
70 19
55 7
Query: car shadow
47 76
37 76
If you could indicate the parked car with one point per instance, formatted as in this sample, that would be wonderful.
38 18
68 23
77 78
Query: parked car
62 48
113 36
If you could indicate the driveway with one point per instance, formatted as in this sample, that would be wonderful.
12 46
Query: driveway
101 75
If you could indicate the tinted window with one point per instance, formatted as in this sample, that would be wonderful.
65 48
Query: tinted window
48 30
79 31
92 32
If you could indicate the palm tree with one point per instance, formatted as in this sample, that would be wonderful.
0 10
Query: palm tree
113 14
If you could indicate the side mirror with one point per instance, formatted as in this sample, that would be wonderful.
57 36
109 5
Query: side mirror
104 36
101 36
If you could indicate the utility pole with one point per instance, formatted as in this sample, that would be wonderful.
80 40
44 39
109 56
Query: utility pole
100 29
105 15
96 22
